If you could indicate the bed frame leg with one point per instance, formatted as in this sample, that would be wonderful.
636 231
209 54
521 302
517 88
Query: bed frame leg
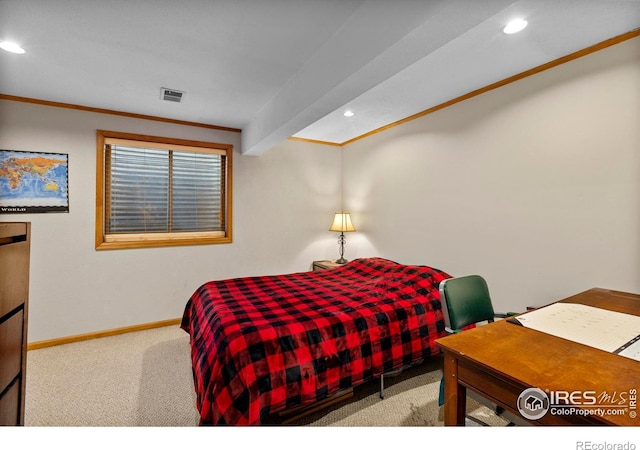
381 386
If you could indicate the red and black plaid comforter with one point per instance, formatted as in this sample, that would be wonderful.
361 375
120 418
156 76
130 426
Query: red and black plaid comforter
260 345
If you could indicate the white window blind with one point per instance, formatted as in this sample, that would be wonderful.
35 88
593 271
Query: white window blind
160 190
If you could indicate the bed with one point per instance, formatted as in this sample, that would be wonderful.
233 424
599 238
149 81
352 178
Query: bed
264 344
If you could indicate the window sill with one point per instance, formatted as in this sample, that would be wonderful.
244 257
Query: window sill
128 241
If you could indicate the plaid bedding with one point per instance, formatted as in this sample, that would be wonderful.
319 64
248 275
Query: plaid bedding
260 345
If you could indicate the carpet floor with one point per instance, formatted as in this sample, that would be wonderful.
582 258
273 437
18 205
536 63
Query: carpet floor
144 379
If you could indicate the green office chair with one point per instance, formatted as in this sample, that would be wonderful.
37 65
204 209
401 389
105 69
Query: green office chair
465 302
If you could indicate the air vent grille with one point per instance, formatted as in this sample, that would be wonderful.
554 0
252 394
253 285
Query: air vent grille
171 95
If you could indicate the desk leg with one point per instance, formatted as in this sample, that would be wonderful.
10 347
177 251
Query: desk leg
455 395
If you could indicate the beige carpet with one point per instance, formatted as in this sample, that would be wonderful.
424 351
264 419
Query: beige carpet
144 379
410 399
135 379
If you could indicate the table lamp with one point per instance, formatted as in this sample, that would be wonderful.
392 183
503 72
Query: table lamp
342 223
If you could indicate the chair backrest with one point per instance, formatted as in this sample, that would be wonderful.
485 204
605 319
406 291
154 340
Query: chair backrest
465 301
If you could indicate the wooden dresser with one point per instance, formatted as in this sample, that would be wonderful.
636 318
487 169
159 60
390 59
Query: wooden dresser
14 293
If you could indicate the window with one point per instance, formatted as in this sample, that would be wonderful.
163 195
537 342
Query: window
154 191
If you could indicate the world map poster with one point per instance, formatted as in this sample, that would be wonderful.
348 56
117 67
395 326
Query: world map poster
32 182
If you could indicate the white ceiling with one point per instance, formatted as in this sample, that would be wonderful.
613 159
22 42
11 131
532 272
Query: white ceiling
282 68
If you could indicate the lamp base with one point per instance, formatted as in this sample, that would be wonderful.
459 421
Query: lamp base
341 242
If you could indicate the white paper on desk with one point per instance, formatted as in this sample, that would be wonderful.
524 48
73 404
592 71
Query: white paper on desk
632 351
596 327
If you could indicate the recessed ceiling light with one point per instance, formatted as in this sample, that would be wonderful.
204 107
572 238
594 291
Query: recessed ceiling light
11 47
515 26
348 113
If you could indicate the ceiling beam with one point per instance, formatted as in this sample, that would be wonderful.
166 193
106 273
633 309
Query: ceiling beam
376 42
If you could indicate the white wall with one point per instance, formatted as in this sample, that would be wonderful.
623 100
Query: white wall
535 185
283 203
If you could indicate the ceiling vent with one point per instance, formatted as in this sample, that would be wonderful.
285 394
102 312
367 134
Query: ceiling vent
171 95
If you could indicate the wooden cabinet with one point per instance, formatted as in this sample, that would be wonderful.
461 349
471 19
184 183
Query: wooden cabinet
14 294
325 264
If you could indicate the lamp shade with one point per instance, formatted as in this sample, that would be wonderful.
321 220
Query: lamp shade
342 222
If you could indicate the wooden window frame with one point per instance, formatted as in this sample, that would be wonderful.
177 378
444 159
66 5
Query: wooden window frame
105 241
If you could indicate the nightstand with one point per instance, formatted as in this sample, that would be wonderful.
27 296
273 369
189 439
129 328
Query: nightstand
325 264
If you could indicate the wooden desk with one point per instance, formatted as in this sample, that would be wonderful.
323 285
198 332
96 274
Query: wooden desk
500 360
